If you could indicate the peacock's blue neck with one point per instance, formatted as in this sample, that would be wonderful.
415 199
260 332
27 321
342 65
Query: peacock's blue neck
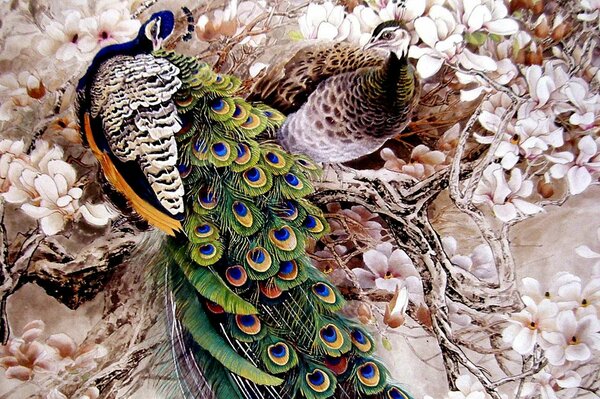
133 47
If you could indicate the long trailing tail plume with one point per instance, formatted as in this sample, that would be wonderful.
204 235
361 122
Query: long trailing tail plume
250 317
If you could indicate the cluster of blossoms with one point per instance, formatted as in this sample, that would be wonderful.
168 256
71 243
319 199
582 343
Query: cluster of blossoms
563 320
231 21
31 357
45 186
55 50
554 131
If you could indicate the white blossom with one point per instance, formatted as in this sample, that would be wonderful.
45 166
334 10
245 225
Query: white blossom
489 15
480 262
547 383
67 41
46 188
577 170
585 105
388 268
110 27
527 325
529 137
574 339
325 21
505 197
444 42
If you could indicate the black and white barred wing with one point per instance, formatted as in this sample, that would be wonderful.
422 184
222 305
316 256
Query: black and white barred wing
131 95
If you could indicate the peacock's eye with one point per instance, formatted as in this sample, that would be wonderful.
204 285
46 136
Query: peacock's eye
153 30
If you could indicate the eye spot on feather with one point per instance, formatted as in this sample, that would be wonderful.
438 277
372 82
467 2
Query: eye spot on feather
293 181
288 270
248 324
242 214
236 276
243 154
270 290
283 238
368 374
318 381
331 336
259 259
360 340
324 293
279 353
207 199
395 393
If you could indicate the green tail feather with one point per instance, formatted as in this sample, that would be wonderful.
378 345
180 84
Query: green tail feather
265 319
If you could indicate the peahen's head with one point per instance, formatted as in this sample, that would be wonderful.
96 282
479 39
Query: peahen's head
158 28
390 36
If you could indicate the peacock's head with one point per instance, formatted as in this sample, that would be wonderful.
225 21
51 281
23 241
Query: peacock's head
158 28
390 36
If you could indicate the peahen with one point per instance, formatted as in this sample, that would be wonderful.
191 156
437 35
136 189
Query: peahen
251 317
343 101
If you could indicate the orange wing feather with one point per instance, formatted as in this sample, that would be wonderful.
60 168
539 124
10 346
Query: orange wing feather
155 217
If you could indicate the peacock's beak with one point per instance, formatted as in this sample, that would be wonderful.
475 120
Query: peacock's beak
157 43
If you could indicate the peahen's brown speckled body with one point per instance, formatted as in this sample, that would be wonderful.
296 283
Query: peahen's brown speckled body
342 101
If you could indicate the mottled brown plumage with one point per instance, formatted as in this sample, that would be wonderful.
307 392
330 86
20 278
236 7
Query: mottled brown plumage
343 101
287 85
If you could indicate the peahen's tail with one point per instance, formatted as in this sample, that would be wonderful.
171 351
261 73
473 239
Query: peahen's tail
251 316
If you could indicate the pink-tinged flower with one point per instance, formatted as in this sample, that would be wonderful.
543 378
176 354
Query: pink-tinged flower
468 388
492 111
54 198
586 252
505 197
360 223
545 84
488 15
424 162
444 42
574 339
19 92
110 27
577 170
46 189
576 296
9 152
66 128
91 393
395 311
56 394
480 262
325 21
23 357
81 358
364 21
532 288
527 325
388 268
449 140
65 41
547 384
533 134
585 105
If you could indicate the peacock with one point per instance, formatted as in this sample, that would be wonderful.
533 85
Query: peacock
250 316
343 101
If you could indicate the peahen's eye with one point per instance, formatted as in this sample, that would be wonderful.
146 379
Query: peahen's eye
387 35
